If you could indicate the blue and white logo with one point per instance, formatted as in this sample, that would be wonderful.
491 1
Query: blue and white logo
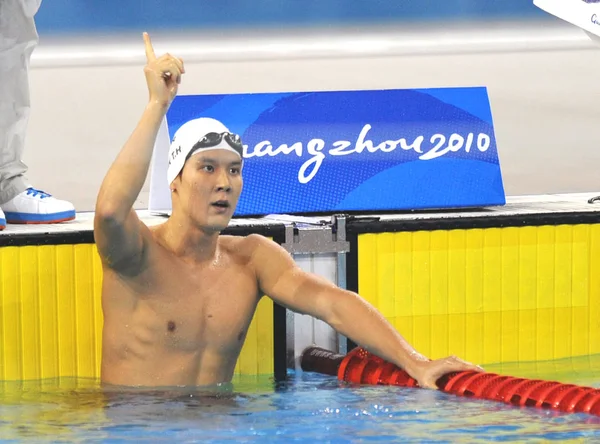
364 151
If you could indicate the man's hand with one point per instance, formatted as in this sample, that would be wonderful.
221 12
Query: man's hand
163 75
428 372
118 232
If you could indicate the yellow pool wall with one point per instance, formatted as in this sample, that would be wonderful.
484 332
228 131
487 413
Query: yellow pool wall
488 295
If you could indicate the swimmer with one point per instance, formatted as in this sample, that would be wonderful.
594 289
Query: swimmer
178 297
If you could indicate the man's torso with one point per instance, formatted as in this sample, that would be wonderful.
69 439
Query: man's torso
177 323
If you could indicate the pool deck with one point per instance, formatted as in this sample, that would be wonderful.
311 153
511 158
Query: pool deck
548 208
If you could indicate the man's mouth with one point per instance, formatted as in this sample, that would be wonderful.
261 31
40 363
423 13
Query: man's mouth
220 204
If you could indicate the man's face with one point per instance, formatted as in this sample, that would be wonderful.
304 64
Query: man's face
209 187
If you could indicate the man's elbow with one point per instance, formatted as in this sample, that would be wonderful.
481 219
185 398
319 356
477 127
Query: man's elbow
109 214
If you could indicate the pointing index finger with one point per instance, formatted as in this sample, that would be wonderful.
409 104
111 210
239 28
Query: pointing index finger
150 56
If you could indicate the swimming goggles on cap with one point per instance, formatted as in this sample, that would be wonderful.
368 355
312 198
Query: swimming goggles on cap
214 139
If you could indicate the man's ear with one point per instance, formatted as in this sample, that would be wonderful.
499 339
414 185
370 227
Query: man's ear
176 182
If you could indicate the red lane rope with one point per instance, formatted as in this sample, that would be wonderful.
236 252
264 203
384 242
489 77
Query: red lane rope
361 367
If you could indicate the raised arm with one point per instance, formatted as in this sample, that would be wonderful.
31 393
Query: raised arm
118 232
345 311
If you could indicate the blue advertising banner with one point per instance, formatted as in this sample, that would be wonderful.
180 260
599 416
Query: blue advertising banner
375 150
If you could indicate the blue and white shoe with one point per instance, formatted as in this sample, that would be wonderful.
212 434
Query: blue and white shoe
2 220
37 207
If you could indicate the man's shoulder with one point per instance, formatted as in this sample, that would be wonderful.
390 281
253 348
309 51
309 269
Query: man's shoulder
253 250
247 243
265 257
256 249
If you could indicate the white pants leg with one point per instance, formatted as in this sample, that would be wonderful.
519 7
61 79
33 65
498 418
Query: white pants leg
18 38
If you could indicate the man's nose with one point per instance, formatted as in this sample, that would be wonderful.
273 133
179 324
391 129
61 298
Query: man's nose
223 183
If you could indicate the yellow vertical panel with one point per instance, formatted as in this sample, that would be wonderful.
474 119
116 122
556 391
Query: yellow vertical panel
421 273
562 323
474 295
254 349
67 358
457 334
421 291
492 295
439 292
264 337
545 344
492 271
474 351
527 279
403 271
457 272
580 340
594 290
11 320
563 290
30 310
439 276
527 339
456 292
98 316
527 268
581 265
492 340
510 336
403 293
510 294
510 269
84 315
384 274
545 292
440 325
367 268
580 290
48 312
456 337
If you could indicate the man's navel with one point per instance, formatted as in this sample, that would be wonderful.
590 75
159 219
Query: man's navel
171 326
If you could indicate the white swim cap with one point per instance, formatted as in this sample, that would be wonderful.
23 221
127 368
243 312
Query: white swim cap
189 136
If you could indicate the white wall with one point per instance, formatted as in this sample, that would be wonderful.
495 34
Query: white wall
87 94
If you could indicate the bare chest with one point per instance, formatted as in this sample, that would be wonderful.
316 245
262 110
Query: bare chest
210 308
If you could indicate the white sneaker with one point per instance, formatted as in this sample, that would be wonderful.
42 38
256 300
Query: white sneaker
37 207
2 220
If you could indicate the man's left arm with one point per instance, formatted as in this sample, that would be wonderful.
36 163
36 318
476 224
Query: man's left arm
349 314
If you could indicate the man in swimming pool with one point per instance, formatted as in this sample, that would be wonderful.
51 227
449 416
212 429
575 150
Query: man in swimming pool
178 297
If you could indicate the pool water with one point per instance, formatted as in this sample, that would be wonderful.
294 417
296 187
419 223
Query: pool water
307 408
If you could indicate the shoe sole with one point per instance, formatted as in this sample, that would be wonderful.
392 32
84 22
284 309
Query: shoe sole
52 219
